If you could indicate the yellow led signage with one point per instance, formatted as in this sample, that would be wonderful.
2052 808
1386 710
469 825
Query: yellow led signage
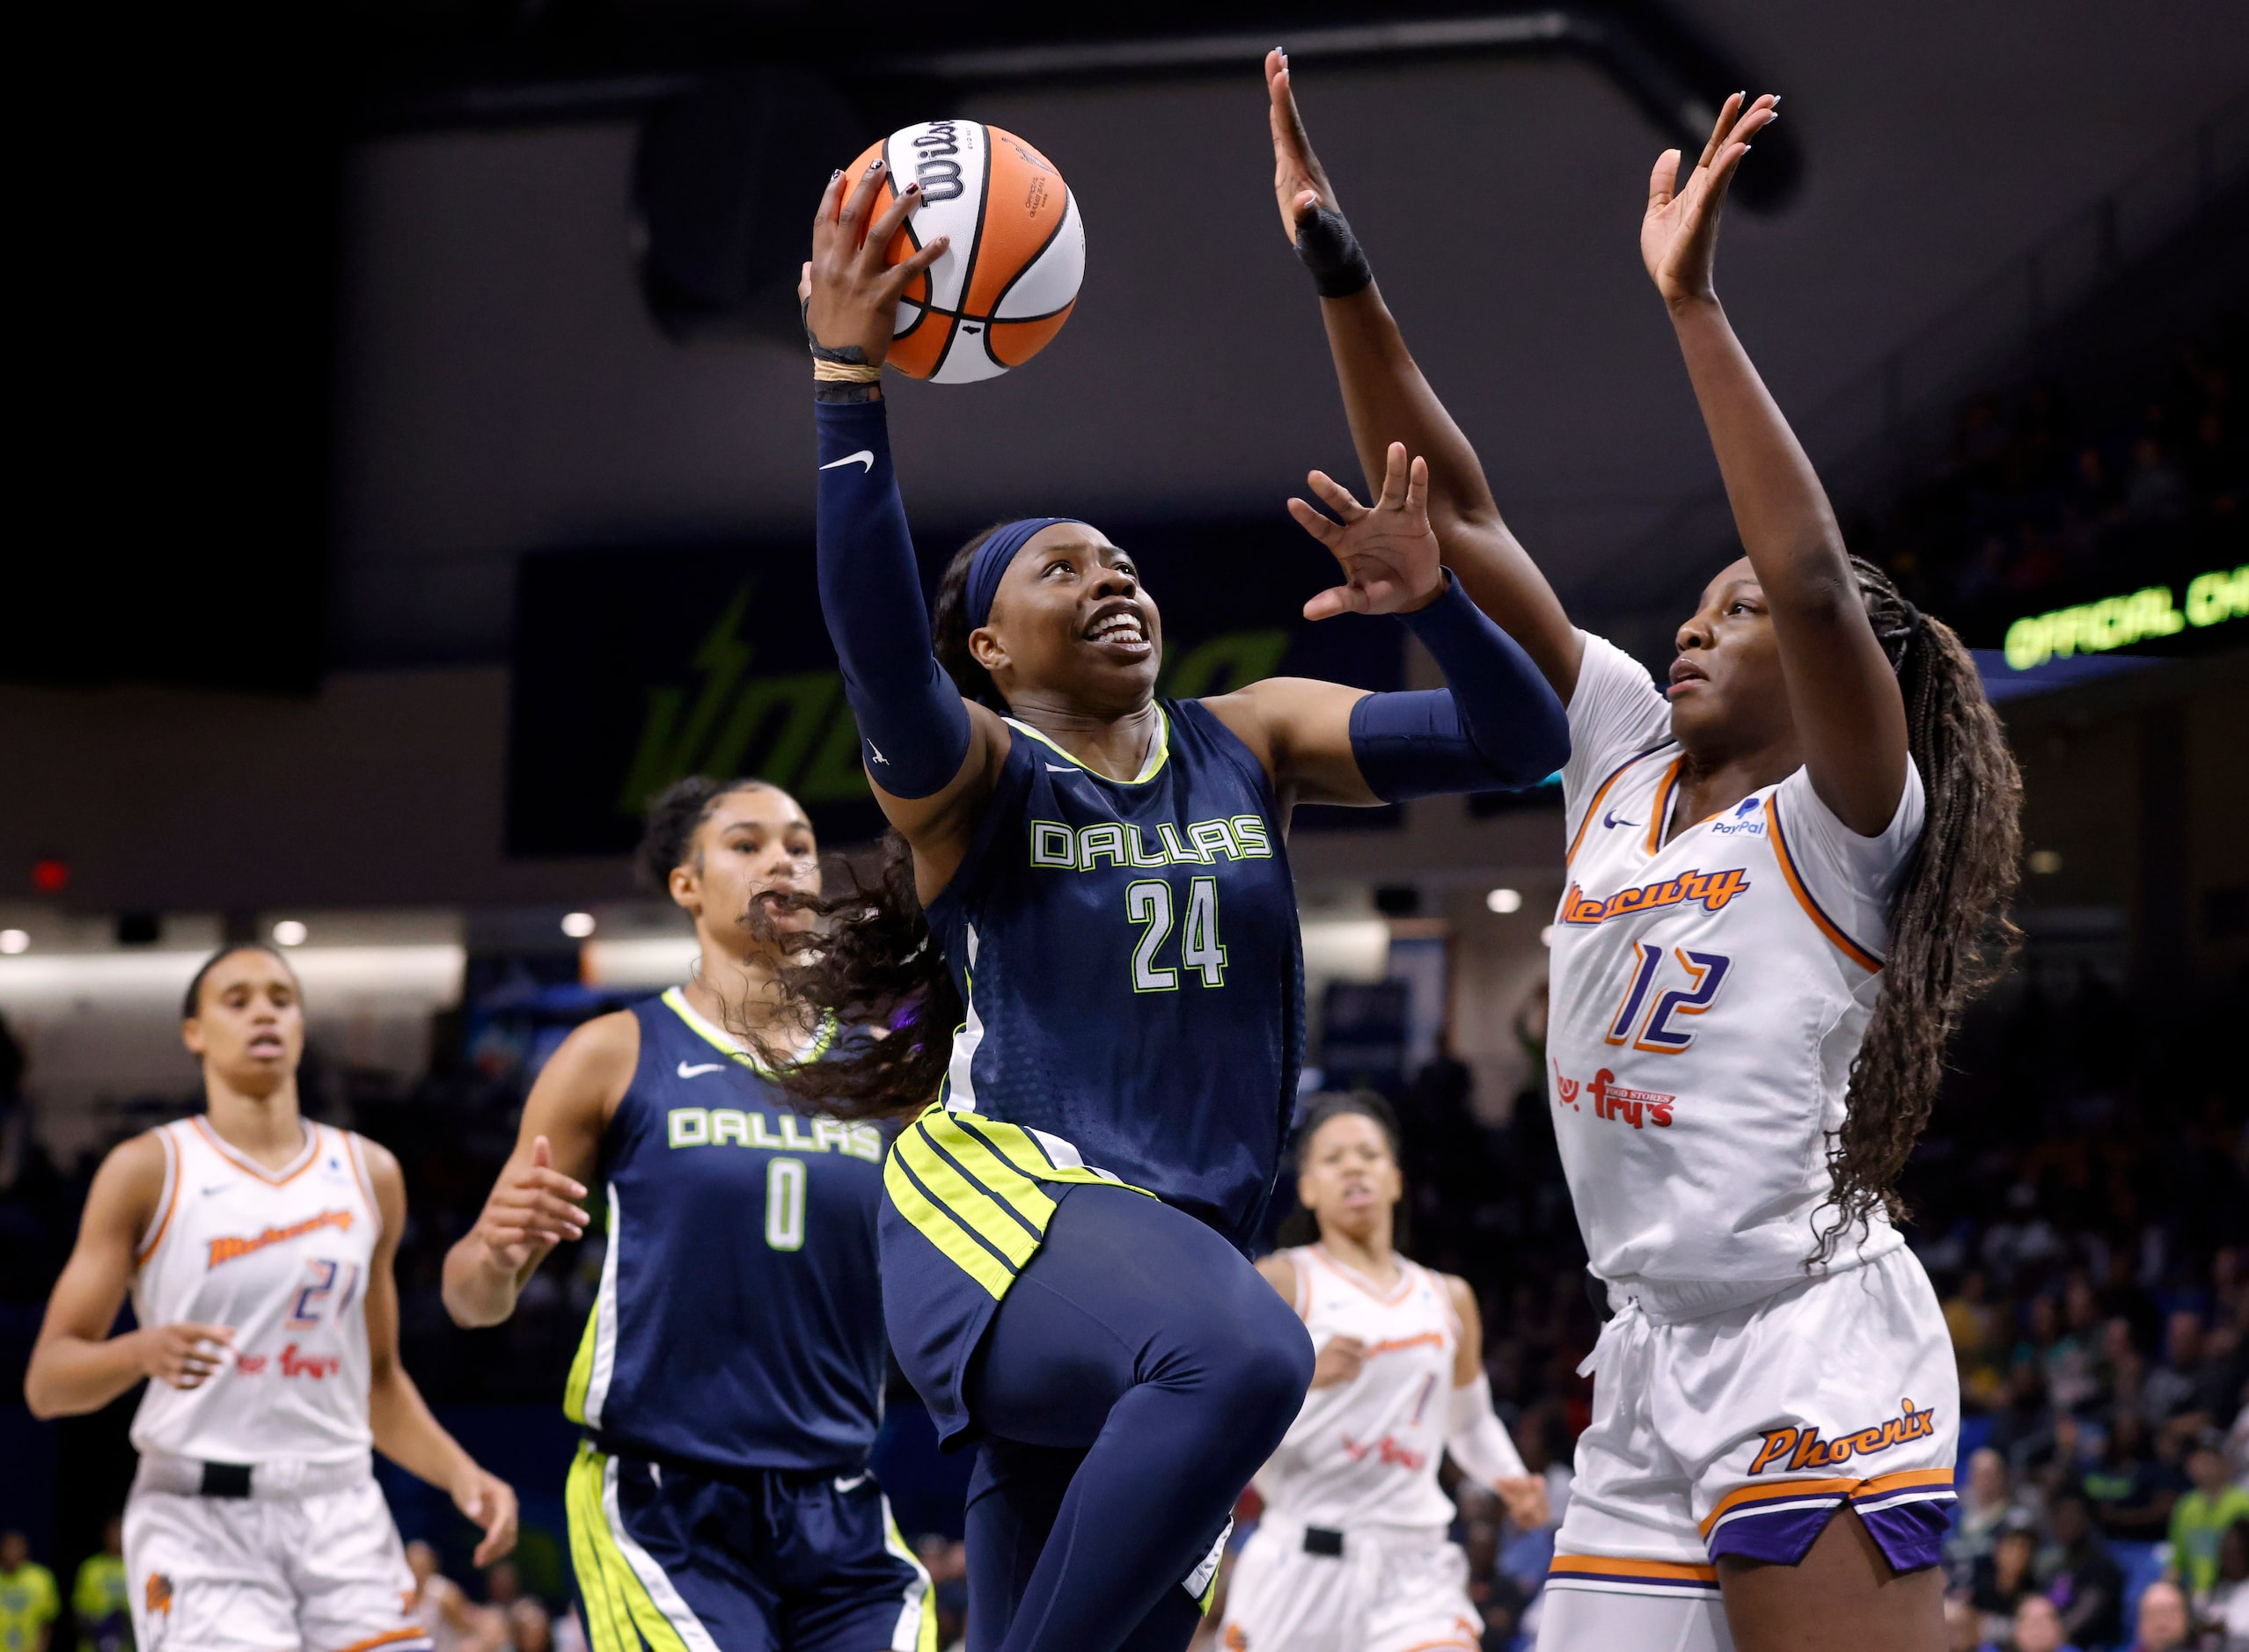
2115 622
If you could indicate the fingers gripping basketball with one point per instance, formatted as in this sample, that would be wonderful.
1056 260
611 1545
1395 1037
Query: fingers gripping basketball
1003 289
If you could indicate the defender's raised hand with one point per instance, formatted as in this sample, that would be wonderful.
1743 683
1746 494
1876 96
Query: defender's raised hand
1678 236
1388 553
851 295
1300 182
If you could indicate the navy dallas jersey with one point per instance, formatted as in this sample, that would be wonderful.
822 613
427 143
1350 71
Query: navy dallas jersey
739 1322
1129 954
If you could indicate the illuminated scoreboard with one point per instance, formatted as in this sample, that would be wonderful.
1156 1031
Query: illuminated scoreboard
2216 598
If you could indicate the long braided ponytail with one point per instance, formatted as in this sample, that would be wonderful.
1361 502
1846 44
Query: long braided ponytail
1949 936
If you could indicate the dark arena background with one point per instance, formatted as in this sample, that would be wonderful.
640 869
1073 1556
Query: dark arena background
419 412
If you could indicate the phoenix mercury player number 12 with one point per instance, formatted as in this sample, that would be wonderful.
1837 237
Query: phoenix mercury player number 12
1778 879
257 1245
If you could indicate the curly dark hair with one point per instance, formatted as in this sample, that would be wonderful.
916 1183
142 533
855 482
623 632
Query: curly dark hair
872 962
1950 935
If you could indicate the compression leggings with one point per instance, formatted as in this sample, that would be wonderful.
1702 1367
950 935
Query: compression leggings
1138 1374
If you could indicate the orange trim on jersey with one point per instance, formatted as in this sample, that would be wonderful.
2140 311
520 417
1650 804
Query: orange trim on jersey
1827 926
243 1161
1659 811
175 1172
389 1637
1427 1339
1654 1571
366 1182
1449 1646
1593 803
1359 1281
1775 1491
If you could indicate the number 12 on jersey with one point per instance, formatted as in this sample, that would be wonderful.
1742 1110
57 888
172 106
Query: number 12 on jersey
1148 903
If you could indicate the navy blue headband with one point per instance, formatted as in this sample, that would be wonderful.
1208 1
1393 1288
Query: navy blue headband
992 560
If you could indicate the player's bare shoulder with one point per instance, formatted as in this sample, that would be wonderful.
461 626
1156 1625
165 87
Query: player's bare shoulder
1279 1271
131 1183
597 1059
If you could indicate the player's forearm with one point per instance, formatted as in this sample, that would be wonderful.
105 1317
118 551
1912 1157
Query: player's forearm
1779 508
1387 399
407 1433
479 1288
69 1376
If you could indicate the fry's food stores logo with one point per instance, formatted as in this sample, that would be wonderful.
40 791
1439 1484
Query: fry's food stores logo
1610 1099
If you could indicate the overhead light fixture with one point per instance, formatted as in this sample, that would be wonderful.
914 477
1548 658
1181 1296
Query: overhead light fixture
14 940
577 925
289 933
1504 900
2046 862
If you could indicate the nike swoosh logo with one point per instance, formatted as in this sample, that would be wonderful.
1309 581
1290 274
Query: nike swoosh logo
852 1484
701 1068
1059 768
865 455
208 1192
1608 818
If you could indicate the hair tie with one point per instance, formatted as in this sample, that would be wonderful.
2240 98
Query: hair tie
992 558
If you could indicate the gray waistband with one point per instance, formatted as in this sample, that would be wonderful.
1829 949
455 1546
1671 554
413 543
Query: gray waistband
280 1478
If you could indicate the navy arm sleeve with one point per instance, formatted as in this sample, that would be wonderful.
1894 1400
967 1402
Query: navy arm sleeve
1498 723
913 729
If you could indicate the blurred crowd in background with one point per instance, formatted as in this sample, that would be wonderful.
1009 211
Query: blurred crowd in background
2042 498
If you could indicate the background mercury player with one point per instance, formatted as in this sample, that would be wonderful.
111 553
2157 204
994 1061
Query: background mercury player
1352 1554
257 1245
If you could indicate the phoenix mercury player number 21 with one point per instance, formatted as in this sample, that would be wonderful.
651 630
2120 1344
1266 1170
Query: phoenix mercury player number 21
257 1245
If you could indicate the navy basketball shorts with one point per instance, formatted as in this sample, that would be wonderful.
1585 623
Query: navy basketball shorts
767 1561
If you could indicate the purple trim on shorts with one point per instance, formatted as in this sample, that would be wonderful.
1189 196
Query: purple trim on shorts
1781 1538
1910 1535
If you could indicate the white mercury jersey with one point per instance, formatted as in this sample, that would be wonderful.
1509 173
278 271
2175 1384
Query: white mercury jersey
1363 1453
1708 996
282 1256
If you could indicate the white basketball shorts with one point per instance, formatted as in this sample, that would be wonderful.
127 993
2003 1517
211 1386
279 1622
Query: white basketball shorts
1743 1431
323 1572
1386 1593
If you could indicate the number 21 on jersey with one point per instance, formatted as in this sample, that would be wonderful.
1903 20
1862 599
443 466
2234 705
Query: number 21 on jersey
1148 903
1657 1033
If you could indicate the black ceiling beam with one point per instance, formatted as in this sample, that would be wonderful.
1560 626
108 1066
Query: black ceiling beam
590 72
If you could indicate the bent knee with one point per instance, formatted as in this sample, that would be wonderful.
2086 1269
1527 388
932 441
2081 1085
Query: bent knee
1266 1365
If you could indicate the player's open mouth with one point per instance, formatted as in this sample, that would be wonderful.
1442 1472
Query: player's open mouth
1685 674
1121 631
265 1044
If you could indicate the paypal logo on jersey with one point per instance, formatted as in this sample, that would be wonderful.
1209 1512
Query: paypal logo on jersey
1238 837
725 1127
1742 821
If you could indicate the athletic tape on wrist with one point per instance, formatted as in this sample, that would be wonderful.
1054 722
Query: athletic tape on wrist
1332 253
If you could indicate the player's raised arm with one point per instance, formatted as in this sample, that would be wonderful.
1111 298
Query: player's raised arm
77 1366
1496 723
1842 690
1388 400
929 754
538 1200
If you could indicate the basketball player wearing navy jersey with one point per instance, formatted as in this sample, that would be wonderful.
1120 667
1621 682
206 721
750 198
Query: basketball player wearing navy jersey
1106 877
730 1378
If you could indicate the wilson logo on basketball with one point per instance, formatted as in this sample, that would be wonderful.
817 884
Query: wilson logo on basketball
226 1250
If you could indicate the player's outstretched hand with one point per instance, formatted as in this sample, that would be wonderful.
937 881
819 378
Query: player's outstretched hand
1525 1497
1678 236
850 295
1300 182
1389 554
490 1503
533 1207
1338 1362
185 1354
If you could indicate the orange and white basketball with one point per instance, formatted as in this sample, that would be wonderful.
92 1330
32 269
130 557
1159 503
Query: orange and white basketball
1006 283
